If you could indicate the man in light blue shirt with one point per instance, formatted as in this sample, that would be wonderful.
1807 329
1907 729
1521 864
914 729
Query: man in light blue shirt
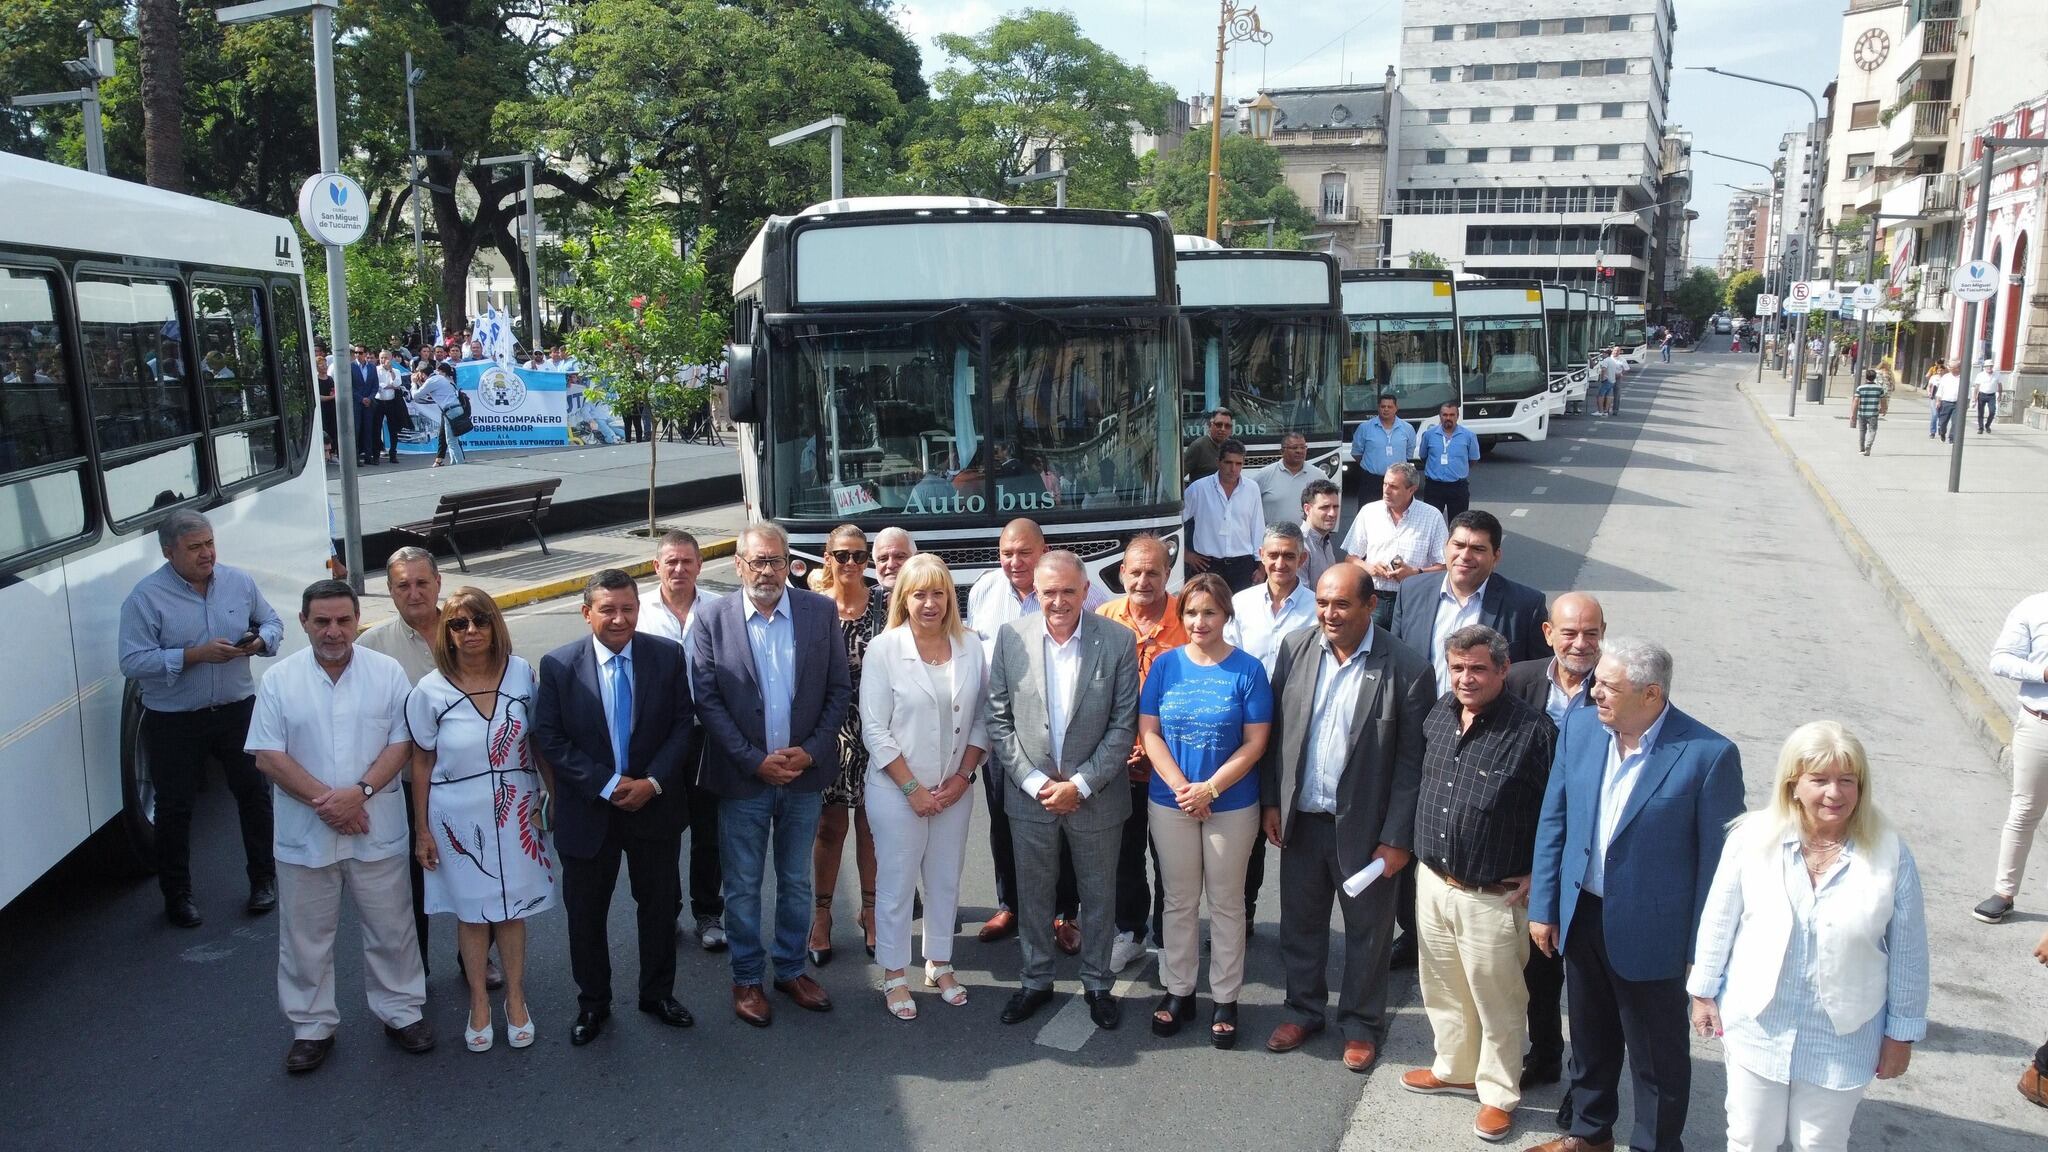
1379 444
1448 451
187 632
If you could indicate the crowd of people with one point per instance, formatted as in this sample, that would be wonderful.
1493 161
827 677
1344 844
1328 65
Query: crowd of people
1458 768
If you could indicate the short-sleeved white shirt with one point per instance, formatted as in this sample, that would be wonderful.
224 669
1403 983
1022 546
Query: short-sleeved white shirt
1419 538
333 729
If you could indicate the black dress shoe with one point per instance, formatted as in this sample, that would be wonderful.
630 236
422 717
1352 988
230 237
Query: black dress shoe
306 1055
1403 956
1104 1010
588 1025
669 1011
1025 1004
182 912
262 896
1541 1069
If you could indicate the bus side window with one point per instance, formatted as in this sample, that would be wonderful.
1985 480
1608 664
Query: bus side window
42 455
295 371
144 419
234 373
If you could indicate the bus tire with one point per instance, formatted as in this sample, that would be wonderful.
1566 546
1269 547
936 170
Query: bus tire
131 836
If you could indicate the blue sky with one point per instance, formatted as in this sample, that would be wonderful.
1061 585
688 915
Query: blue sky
1325 42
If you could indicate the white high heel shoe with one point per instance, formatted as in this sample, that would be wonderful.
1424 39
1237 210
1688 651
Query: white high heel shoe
479 1039
519 1035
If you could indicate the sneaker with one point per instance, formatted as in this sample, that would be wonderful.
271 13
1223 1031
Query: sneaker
1127 950
1993 910
711 934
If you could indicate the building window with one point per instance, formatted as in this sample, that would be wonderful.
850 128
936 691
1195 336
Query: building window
1617 23
1567 111
1610 151
1518 155
1483 31
1440 32
1863 114
1525 111
1333 196
1475 155
1859 164
1568 68
1482 115
1433 156
1610 111
1439 115
1479 72
1564 152
1617 67
1532 27
1525 71
1574 26
1439 75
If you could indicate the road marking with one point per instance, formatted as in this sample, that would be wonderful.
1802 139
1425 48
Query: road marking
205 953
1555 471
1580 439
1071 1026
1519 512
1538 490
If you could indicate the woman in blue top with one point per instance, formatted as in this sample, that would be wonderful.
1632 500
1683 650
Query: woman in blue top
1203 716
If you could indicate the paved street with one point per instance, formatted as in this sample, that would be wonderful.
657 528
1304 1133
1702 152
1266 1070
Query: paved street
1682 514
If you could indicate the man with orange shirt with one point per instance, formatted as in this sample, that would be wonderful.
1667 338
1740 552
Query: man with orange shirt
1147 609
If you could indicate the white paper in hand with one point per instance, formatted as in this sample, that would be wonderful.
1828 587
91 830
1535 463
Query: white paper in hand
1363 878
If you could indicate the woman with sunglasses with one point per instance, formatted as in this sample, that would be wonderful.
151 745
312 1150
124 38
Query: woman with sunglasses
844 579
477 796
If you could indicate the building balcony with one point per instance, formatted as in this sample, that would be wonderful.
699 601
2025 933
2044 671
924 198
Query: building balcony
1932 302
1919 126
1348 214
1937 38
1934 195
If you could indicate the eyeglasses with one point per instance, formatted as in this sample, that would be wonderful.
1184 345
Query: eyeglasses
465 623
765 563
849 555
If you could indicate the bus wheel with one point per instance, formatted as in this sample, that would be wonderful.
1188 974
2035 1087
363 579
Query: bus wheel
132 834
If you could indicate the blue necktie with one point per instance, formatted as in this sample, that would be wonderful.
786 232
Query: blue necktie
622 710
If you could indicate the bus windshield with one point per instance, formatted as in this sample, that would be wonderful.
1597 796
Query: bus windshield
1503 357
909 419
1273 373
1409 356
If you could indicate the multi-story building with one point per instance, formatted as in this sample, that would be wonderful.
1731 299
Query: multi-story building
1530 138
1671 245
1792 189
1747 229
1333 143
1867 74
1179 121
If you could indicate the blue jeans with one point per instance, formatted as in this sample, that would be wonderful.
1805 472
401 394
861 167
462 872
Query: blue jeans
746 830
1664 353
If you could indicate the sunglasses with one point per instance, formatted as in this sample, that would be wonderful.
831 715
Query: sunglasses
465 623
849 555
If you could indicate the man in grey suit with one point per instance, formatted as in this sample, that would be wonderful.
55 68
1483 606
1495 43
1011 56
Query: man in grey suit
1349 701
1063 713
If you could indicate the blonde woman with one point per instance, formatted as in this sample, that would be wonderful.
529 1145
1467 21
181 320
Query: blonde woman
1811 962
845 581
477 803
921 718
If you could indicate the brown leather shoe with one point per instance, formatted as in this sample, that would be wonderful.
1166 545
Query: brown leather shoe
749 1003
1571 1144
306 1055
1289 1036
416 1037
1066 936
1359 1055
1000 926
1492 1123
808 993
2034 1086
1425 1081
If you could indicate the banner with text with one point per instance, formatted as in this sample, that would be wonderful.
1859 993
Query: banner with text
516 408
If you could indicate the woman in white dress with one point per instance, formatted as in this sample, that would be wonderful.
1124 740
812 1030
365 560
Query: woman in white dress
478 791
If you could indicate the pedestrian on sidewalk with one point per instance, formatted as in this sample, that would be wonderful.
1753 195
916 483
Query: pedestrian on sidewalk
1811 965
1869 397
1947 388
1664 346
441 394
1987 395
2021 654
1609 372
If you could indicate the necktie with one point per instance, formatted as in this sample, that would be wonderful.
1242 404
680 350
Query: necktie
622 710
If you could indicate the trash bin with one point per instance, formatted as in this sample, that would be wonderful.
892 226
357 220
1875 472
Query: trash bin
1816 388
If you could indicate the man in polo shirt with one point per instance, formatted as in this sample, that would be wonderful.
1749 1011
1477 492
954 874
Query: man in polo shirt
1227 520
1282 482
1448 450
1396 537
1378 444
1201 457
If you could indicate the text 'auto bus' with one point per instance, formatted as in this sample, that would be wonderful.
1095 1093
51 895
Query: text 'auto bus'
1266 330
1404 341
1505 361
1567 373
153 357
1631 331
948 365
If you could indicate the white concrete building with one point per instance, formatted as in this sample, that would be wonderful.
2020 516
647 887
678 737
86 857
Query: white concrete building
1531 137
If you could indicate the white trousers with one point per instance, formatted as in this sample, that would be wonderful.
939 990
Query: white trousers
908 849
1764 1115
1471 948
2029 801
309 912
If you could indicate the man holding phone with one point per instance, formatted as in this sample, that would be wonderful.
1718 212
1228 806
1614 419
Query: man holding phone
187 632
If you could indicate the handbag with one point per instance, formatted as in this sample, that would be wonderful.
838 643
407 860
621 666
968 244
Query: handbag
459 423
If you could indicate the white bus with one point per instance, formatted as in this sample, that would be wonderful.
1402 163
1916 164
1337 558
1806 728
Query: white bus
1505 359
1266 328
948 365
1404 341
153 357
1631 331
1567 373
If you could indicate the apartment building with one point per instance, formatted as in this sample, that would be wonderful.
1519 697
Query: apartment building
1744 237
1531 139
1332 142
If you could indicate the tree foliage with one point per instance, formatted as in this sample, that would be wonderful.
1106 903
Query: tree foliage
1253 189
1032 81
1740 293
1698 296
1423 258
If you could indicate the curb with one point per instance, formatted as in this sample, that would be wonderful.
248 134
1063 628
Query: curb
1987 721
535 593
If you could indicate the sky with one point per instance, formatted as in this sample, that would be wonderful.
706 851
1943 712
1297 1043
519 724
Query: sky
1325 42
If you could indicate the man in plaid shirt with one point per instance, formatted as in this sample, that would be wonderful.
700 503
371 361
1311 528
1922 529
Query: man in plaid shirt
1869 399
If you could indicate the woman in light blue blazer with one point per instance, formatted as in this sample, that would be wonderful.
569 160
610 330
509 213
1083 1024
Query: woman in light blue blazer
1811 964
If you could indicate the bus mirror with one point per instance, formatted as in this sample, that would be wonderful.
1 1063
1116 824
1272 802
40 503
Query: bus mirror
740 402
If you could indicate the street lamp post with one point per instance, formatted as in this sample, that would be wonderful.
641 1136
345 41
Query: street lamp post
1058 176
420 184
1990 145
836 125
1820 151
337 269
96 65
527 160
1236 25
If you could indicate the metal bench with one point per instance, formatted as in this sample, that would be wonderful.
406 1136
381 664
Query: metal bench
507 504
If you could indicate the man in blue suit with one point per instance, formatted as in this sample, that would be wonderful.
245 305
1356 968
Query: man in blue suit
1639 799
772 689
362 372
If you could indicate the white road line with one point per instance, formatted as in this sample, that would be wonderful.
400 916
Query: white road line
1538 490
1555 471
1519 512
1071 1027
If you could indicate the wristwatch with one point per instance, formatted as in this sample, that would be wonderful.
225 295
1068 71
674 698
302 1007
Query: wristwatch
367 790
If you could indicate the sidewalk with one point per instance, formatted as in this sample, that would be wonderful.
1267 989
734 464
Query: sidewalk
1951 565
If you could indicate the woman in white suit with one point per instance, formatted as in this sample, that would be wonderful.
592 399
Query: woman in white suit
1811 961
921 694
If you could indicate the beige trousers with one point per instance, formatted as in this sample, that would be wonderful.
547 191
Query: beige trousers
309 912
1471 949
1198 857
2029 800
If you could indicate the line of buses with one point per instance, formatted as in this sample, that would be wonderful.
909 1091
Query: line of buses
942 364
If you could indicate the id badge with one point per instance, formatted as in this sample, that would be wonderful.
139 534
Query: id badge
1444 458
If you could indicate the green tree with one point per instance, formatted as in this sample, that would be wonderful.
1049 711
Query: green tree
1253 188
643 307
1423 258
1740 293
1698 295
1032 81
